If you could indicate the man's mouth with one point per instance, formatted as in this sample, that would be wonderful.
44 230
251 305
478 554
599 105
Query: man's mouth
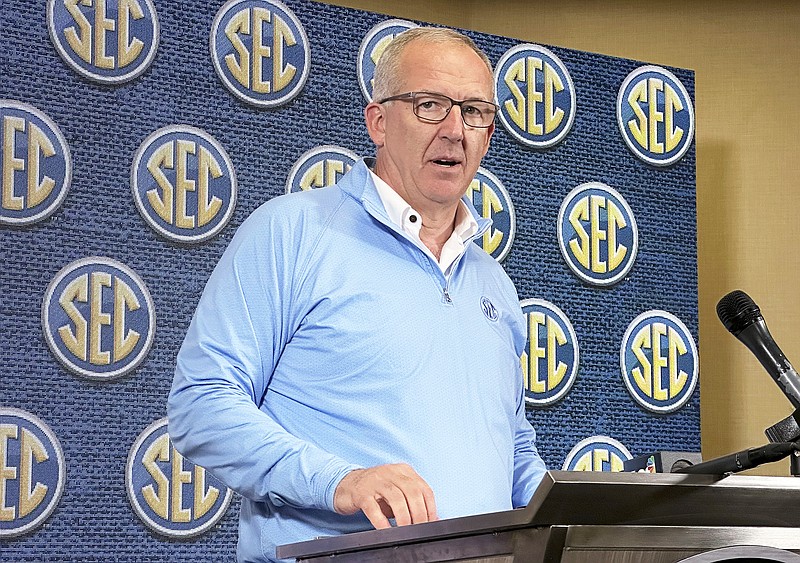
445 162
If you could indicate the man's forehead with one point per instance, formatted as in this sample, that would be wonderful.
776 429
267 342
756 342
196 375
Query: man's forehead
446 62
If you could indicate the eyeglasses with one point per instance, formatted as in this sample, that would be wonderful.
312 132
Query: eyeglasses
433 107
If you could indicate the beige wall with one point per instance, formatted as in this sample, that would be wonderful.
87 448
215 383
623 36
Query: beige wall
746 56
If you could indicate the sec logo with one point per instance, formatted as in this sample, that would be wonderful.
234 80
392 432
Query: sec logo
319 167
260 51
492 200
597 453
107 41
550 358
184 184
98 318
32 472
659 361
535 94
655 115
371 49
36 164
597 234
171 495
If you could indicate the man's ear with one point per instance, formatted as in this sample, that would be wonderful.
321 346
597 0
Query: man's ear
376 123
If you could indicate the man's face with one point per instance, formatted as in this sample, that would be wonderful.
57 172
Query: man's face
431 164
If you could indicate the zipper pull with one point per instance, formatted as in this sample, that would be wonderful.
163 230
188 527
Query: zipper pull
447 298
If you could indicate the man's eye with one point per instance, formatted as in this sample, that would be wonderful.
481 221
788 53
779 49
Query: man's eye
471 110
429 104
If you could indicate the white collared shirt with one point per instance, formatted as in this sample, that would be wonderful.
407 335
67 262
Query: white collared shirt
410 222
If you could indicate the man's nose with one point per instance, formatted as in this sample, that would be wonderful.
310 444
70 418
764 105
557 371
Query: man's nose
452 126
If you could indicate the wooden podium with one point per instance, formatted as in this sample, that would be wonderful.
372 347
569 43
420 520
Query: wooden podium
583 517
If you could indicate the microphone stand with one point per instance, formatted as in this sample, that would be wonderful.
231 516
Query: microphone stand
787 430
747 459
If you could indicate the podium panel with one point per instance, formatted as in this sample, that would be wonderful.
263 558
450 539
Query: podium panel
577 517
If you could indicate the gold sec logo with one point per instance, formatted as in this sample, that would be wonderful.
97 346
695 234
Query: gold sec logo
98 318
655 115
260 51
319 167
551 355
107 41
36 164
597 234
536 95
171 495
32 472
597 453
659 361
492 200
372 46
184 184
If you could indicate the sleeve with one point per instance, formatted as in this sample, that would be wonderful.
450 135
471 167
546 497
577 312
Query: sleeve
245 317
529 468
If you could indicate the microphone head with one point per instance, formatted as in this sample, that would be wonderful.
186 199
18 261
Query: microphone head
737 311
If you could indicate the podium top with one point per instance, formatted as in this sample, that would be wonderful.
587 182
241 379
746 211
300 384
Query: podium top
603 498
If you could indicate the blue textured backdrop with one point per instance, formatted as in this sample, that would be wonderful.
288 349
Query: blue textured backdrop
104 125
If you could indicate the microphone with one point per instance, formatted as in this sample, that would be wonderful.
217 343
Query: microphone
742 317
746 459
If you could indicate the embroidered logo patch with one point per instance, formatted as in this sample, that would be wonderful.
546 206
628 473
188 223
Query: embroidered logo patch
184 184
33 472
655 115
319 167
493 201
110 41
535 94
170 494
260 51
36 164
98 318
597 234
597 453
659 361
551 356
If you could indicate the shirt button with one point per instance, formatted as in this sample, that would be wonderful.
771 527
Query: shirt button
412 218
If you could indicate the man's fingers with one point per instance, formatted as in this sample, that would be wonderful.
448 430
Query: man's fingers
386 491
395 497
376 515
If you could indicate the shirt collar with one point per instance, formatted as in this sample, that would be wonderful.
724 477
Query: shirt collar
410 221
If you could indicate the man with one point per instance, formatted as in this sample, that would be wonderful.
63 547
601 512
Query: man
354 357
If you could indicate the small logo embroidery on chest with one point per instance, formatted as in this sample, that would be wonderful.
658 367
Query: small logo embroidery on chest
489 309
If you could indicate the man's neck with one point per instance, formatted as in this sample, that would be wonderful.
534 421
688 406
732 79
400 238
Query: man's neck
435 234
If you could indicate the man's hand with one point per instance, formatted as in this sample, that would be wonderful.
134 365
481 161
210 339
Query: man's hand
386 491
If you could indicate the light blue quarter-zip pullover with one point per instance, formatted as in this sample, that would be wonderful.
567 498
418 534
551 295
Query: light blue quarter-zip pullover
326 341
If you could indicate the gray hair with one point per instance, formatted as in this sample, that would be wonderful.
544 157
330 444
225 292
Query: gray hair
387 72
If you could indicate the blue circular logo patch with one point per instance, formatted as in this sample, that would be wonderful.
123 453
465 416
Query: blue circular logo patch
597 453
183 184
260 51
33 472
492 200
320 167
170 494
371 49
489 310
98 318
109 41
655 115
659 361
597 234
551 356
535 94
37 165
